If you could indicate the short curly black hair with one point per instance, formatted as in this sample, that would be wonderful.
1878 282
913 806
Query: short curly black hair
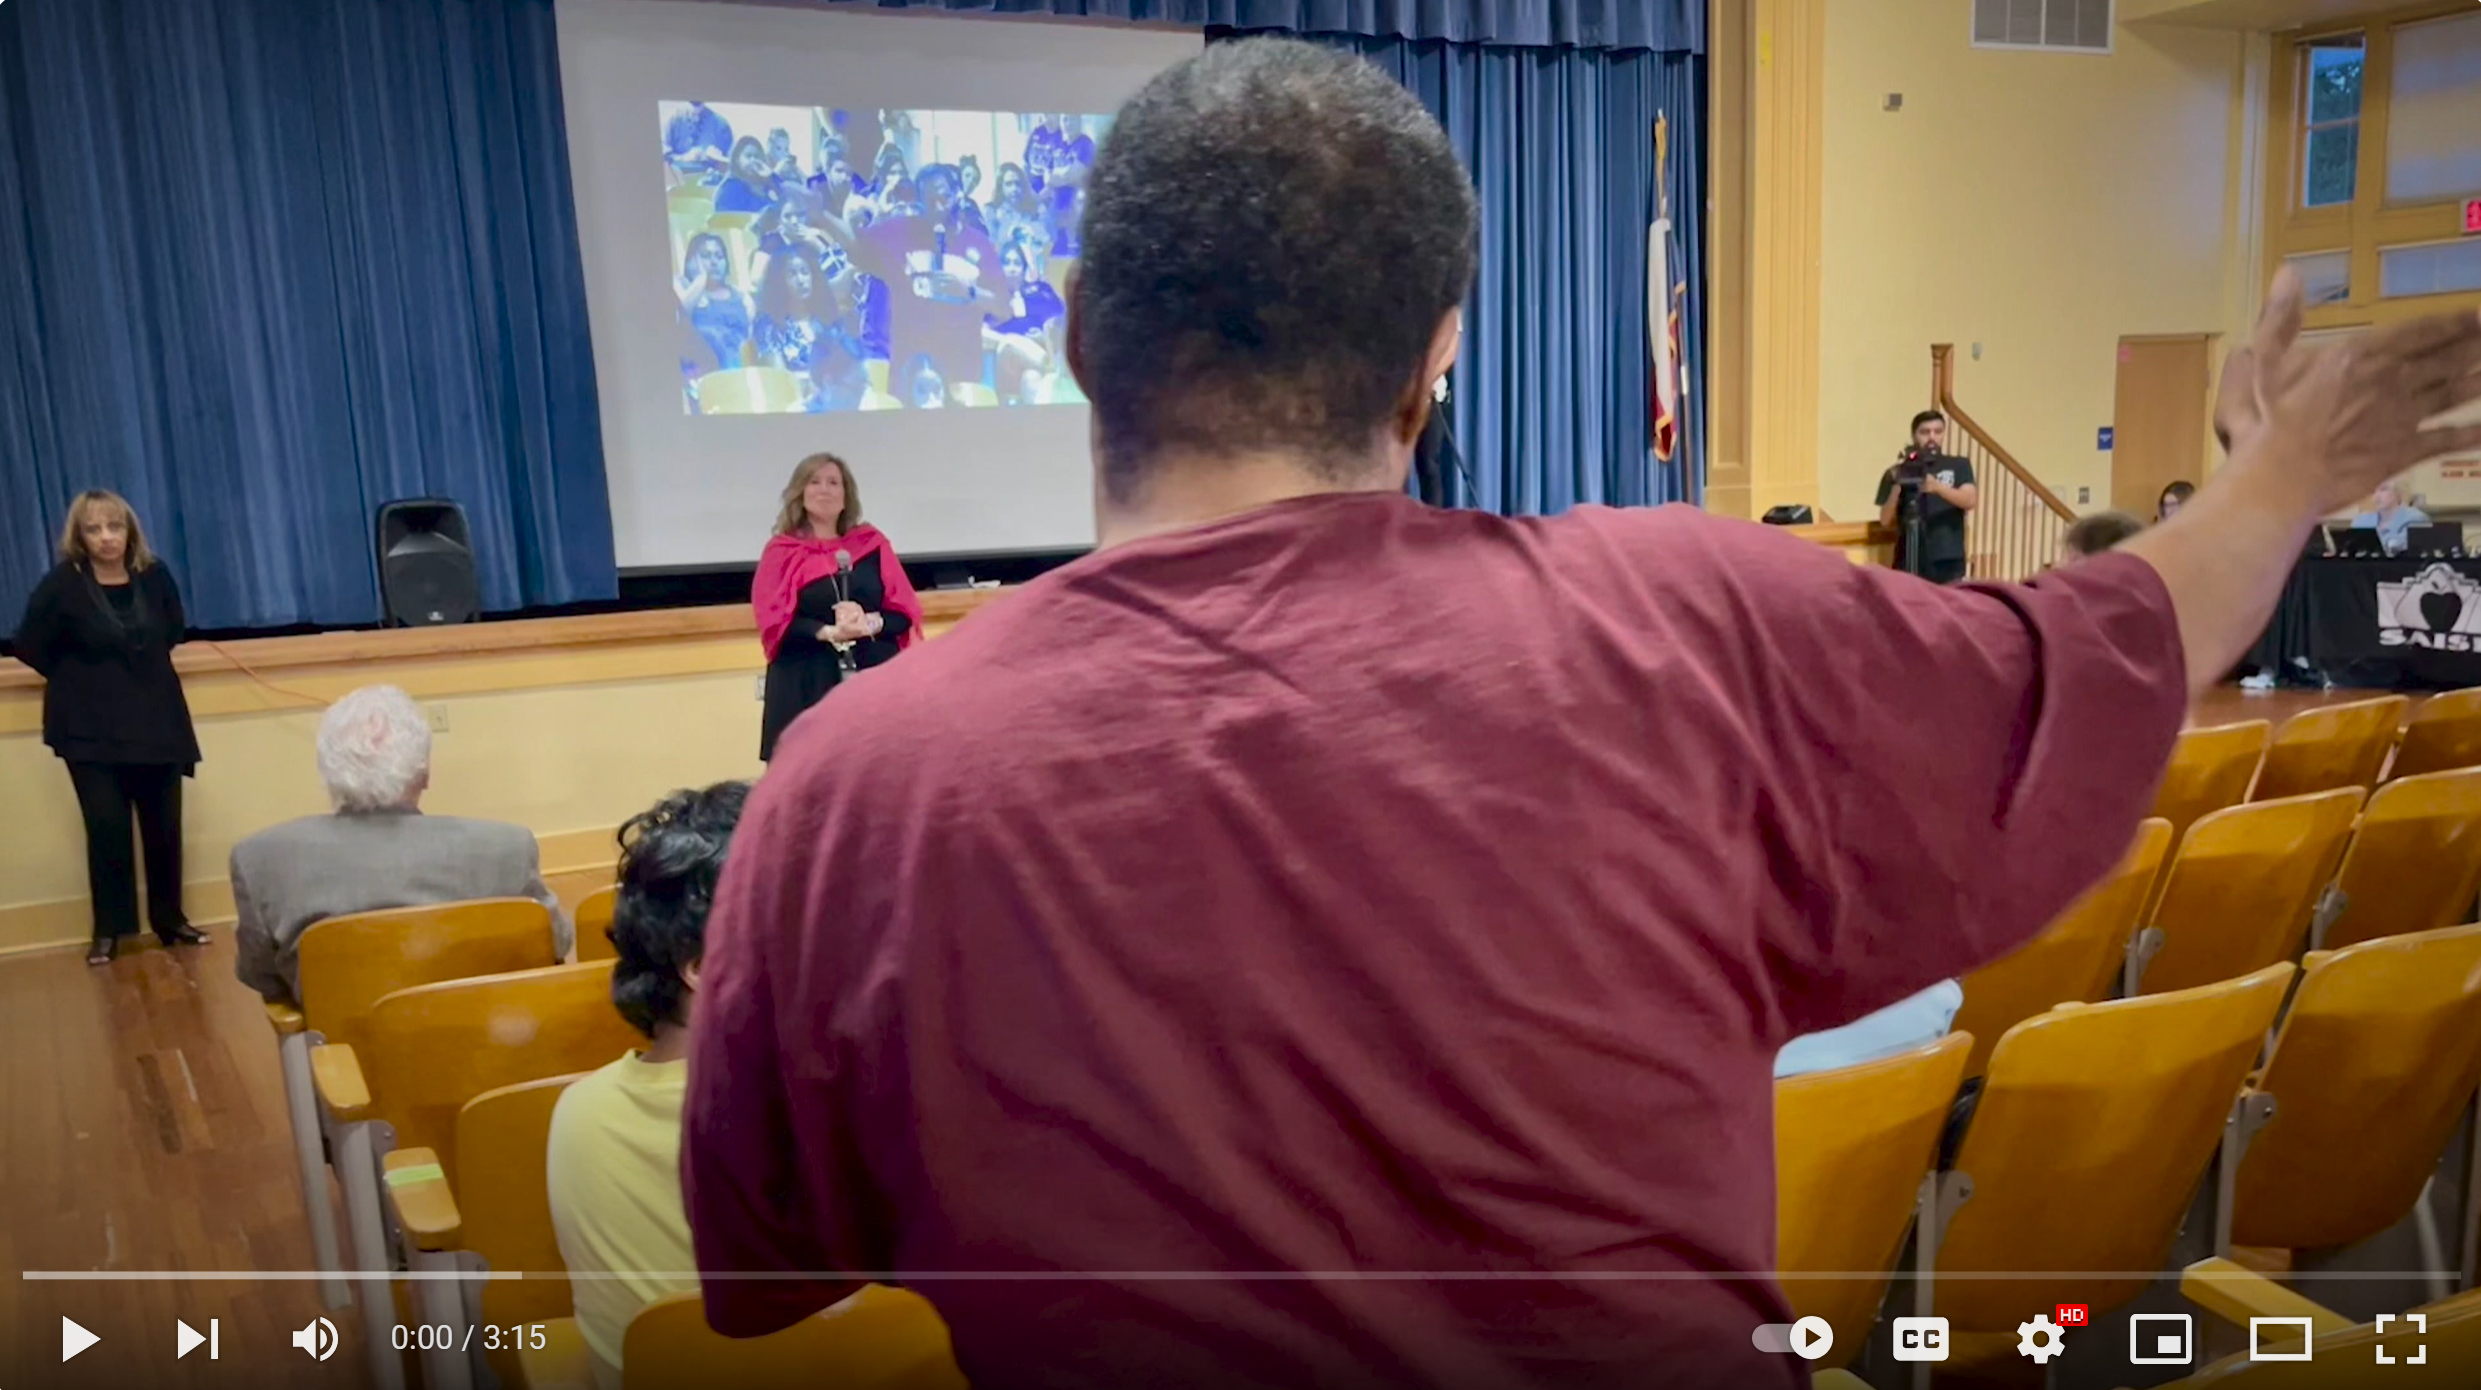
1272 231
671 855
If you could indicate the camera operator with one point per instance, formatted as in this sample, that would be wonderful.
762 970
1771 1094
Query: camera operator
1941 487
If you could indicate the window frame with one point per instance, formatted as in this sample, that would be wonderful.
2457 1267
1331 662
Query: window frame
2368 224
2306 131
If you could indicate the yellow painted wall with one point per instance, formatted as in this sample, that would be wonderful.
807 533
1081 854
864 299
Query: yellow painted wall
569 761
2039 204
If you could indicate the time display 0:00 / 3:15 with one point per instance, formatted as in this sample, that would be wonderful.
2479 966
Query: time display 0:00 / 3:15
521 1336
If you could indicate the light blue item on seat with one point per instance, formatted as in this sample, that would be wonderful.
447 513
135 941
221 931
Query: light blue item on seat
1914 1021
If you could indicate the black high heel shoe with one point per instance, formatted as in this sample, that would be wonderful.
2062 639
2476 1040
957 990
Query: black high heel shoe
101 950
183 935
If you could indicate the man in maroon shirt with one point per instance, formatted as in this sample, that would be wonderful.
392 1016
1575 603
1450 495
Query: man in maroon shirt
1317 940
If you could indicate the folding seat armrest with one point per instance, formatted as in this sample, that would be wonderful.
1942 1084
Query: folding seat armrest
2236 1294
425 1207
337 1076
286 1020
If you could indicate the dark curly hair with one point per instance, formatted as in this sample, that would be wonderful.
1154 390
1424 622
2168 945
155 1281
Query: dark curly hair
670 857
1272 234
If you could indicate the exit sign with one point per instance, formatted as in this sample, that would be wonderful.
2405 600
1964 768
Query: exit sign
2472 217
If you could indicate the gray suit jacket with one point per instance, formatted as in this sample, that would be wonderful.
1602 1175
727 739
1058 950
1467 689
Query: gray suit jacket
304 871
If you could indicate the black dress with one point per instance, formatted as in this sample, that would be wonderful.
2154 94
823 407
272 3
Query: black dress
114 711
805 668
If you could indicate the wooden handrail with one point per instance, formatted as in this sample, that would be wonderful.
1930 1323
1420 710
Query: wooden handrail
1943 396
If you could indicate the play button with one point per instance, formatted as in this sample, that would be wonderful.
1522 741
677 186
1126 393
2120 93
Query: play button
185 1339
74 1339
1812 1337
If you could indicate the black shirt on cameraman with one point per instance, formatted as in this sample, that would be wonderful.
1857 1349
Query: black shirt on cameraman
1942 521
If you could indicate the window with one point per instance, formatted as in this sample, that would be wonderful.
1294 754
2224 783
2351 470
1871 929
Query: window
2082 26
2439 267
2330 162
2433 112
2325 277
2373 142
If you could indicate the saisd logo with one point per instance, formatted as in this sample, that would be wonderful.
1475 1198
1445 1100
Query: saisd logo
2438 608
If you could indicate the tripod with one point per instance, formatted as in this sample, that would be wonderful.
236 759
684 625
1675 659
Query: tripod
1910 528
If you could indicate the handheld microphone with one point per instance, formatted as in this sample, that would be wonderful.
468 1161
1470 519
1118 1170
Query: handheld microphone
844 594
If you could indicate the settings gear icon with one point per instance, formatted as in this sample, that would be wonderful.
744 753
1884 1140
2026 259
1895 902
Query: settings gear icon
2040 1339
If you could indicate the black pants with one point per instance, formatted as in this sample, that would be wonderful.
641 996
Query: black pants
107 795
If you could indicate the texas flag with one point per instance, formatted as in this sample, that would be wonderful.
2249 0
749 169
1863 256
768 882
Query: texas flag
1662 315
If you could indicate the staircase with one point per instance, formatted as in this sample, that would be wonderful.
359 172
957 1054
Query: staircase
2014 533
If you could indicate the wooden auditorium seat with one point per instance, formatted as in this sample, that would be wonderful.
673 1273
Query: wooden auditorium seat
2376 1064
2094 1126
1852 1146
879 1339
2443 734
425 1051
2336 746
346 964
498 1214
2242 890
594 924
2415 862
2076 959
2209 770
2343 1355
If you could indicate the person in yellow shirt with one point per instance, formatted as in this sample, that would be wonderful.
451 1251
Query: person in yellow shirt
616 1134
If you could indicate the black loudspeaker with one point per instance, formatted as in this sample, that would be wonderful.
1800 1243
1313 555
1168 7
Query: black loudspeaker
426 564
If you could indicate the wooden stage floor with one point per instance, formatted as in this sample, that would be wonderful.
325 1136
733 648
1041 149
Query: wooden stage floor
142 1127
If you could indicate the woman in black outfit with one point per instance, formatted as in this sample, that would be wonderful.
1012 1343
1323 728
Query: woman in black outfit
830 596
100 629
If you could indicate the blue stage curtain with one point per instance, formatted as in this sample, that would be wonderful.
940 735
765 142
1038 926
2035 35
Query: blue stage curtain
265 264
1551 392
1657 25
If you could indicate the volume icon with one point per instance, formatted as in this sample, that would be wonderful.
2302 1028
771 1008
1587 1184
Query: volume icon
318 1339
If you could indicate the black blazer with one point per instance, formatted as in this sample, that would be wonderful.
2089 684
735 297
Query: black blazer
109 694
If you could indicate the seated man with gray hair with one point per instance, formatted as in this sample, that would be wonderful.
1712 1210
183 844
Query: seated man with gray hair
376 851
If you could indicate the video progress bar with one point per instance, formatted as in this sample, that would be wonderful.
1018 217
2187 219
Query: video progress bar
1038 1276
273 1276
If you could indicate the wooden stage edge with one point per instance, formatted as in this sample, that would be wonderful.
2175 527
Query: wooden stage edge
941 609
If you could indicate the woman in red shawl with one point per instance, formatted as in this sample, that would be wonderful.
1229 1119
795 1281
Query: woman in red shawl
830 596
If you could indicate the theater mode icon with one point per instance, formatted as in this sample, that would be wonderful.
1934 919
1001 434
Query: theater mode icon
1921 1339
2284 1330
2162 1339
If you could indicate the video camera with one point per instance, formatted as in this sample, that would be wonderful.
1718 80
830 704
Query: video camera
1912 466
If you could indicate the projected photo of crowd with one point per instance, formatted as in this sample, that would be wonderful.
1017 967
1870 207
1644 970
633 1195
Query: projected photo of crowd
826 259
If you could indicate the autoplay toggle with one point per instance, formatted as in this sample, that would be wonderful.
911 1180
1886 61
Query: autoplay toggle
1809 1339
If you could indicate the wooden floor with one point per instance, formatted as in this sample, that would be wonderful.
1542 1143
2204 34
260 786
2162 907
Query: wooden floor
142 1127
2229 704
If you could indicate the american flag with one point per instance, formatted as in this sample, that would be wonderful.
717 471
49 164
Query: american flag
1662 310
